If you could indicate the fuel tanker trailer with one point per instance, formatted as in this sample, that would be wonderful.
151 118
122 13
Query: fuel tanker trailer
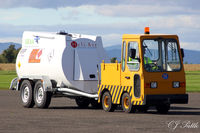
58 64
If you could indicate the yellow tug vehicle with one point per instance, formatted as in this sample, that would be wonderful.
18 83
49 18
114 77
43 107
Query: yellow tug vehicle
151 73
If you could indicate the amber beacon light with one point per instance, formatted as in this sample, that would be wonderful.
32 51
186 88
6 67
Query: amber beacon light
146 30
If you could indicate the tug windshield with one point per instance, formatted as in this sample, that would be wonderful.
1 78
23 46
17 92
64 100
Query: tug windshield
161 55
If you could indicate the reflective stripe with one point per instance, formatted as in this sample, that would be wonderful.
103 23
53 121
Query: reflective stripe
130 91
147 60
108 87
115 94
101 87
126 88
111 87
120 93
113 90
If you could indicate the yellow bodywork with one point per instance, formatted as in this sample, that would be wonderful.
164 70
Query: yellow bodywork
117 81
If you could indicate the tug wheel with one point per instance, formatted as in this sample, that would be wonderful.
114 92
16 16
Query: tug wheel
126 103
107 104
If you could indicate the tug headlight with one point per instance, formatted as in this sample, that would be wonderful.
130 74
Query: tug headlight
154 85
176 84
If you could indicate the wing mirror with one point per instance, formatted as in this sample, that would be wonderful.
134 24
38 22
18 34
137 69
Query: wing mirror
182 53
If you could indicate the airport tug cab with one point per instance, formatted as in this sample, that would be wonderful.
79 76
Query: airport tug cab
150 73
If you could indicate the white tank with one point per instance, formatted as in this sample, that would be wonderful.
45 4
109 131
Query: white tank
68 59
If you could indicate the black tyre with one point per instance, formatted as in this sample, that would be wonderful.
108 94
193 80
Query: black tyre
163 109
126 103
26 94
95 104
42 98
82 102
107 104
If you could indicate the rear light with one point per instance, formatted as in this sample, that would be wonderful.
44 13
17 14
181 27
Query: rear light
182 84
154 85
147 85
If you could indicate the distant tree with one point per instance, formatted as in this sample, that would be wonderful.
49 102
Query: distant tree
2 59
9 55
113 60
186 62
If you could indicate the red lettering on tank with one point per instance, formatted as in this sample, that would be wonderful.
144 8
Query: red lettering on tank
35 56
74 44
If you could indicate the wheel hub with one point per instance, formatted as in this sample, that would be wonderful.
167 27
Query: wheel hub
40 95
106 99
126 102
26 94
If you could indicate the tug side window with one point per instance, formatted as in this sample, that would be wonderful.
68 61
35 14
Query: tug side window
133 63
123 55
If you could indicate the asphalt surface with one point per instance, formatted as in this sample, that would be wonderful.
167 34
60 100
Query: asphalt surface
63 116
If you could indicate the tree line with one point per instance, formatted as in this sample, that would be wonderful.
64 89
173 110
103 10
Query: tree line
9 55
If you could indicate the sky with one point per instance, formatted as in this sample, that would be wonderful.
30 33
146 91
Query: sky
107 18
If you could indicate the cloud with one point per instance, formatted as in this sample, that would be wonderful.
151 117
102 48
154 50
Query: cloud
111 39
176 22
53 3
11 16
144 10
74 3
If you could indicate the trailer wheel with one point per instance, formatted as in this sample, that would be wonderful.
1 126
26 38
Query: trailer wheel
163 109
82 102
126 103
26 94
107 104
42 98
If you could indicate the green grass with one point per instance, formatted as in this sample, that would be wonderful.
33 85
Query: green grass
192 80
5 78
